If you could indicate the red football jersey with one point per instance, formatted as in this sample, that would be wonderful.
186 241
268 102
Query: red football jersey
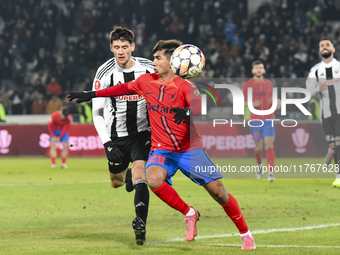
56 123
263 91
160 96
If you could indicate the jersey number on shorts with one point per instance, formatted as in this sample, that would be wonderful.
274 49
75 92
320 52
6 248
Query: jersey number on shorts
157 158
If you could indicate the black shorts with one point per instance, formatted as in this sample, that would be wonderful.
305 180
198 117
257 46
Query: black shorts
136 147
331 126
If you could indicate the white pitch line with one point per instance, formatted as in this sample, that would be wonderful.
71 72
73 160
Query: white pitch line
278 246
66 183
49 183
261 232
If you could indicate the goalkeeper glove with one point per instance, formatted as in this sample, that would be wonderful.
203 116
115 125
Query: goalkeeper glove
181 114
81 96
113 154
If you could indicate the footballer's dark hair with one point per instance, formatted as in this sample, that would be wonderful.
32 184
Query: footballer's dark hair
123 34
257 62
65 111
168 46
326 39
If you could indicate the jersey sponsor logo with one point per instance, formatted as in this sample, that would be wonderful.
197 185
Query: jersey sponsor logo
97 85
330 82
158 108
130 98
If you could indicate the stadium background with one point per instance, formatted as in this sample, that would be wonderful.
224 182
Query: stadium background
48 48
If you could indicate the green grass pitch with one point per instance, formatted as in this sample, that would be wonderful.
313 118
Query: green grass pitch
75 211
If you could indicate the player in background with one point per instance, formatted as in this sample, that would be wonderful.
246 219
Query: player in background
122 124
324 78
176 143
58 127
263 128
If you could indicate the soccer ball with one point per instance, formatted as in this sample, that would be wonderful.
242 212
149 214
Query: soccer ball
187 61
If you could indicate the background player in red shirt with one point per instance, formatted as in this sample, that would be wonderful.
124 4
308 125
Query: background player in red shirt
171 101
58 126
264 128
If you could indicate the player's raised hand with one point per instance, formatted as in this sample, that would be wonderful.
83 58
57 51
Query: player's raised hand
81 96
181 114
113 153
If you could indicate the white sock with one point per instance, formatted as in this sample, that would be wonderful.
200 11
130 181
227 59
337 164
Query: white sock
191 212
245 234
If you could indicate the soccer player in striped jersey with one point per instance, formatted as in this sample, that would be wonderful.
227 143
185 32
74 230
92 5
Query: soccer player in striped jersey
176 144
324 78
122 123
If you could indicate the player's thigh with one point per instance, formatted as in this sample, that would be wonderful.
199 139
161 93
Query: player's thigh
160 167
197 165
155 176
65 146
269 141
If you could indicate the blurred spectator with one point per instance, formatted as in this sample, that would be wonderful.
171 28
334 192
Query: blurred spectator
39 104
85 112
16 102
53 87
54 104
86 22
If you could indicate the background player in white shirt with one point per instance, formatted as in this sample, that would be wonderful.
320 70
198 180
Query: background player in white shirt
122 123
324 78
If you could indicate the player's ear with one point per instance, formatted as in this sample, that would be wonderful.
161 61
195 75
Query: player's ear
133 46
111 48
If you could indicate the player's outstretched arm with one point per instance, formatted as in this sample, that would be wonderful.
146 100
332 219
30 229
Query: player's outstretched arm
82 96
118 90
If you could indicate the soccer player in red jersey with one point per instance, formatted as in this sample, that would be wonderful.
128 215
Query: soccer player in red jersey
263 127
175 142
58 126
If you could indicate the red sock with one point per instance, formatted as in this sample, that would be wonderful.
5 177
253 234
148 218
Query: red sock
53 160
234 212
169 195
258 156
63 160
270 155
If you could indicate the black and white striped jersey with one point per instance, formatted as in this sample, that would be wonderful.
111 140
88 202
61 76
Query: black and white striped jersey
329 74
123 115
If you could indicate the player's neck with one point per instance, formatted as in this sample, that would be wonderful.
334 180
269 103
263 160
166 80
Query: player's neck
169 76
256 78
328 60
128 64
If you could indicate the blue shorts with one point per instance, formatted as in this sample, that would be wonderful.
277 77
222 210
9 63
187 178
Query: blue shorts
64 138
260 129
195 164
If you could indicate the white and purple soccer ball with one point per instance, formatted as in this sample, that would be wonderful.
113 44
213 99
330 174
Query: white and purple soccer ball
187 61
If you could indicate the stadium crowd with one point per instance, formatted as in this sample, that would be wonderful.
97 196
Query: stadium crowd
48 48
